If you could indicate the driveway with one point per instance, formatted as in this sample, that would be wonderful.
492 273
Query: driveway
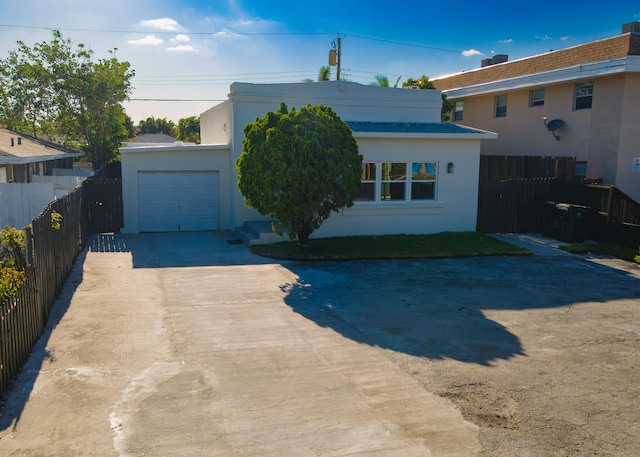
186 344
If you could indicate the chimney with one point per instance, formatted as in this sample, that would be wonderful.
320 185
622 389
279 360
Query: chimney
485 63
12 142
631 27
19 141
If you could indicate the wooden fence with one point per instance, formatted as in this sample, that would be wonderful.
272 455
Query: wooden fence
50 257
518 205
498 168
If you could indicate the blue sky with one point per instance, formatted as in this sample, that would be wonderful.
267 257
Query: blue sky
192 50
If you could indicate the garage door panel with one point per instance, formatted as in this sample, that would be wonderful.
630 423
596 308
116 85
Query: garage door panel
179 200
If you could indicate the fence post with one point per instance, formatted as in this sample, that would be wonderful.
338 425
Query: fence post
28 246
608 222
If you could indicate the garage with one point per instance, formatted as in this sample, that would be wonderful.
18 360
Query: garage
170 201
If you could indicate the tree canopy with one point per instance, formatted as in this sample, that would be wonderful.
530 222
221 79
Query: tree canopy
424 83
156 125
58 90
383 81
188 129
298 167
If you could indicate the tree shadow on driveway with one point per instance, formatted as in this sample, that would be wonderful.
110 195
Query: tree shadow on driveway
437 308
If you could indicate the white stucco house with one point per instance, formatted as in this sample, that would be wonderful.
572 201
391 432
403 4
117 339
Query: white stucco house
420 176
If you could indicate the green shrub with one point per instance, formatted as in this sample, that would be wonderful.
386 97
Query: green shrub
12 262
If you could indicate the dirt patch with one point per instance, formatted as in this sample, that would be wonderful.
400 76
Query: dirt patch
483 405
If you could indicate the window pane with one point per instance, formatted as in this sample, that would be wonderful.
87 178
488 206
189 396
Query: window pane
394 171
368 171
392 191
423 171
501 105
536 97
584 96
423 190
459 108
366 192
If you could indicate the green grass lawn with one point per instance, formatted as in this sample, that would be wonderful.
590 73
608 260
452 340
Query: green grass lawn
448 244
621 252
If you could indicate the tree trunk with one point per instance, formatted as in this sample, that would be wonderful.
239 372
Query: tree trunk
303 236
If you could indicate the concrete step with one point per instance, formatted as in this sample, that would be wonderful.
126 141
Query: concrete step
258 232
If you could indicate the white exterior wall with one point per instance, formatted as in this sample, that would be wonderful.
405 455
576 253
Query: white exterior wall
216 124
351 101
454 209
171 158
222 133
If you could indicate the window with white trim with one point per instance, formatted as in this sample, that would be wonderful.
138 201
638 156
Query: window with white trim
398 182
584 96
458 110
536 97
501 106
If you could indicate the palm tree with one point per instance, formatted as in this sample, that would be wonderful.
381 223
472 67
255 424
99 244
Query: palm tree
383 81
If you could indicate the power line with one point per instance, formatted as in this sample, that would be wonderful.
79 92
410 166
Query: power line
433 48
174 32
158 32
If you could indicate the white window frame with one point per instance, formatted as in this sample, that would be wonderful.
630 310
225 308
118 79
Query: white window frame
535 99
407 181
500 106
458 110
583 91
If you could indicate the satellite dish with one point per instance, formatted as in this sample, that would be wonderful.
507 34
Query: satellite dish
553 125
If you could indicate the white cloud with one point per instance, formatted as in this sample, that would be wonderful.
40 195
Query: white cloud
181 38
182 48
543 37
164 23
565 38
148 40
510 40
472 52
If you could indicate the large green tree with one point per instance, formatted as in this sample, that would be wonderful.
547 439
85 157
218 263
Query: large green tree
298 167
188 129
424 83
60 90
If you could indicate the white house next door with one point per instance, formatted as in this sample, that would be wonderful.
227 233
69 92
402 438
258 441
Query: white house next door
171 201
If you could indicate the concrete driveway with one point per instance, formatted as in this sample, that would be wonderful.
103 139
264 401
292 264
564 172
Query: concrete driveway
185 344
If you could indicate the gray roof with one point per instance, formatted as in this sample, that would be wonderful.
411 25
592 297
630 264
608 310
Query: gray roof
19 148
411 127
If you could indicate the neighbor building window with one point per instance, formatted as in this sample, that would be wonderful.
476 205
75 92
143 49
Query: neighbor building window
536 97
584 96
501 105
397 182
457 112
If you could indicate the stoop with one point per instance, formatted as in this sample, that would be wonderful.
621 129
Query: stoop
258 232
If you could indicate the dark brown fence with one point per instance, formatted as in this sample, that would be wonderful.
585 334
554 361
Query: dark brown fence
513 205
104 204
498 168
50 257
518 205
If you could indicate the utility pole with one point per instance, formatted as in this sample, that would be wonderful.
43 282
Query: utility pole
339 58
336 57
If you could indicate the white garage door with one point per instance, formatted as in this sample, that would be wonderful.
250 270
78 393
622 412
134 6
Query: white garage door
171 201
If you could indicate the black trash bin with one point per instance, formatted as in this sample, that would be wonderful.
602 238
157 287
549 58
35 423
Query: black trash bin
549 220
571 222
